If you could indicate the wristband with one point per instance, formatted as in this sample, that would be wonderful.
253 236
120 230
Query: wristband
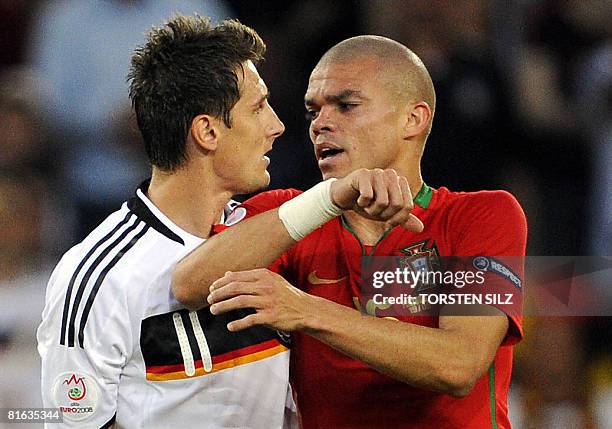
309 210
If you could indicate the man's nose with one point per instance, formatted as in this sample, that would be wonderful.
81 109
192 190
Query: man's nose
322 122
278 128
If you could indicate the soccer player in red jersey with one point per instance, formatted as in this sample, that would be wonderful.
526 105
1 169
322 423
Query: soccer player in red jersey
371 103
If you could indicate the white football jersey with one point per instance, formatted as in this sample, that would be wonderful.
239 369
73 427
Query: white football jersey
118 348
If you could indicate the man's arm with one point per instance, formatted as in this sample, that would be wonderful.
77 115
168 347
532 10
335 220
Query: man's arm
376 194
82 365
449 359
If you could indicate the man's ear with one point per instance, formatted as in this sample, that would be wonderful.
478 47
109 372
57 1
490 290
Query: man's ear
418 118
205 131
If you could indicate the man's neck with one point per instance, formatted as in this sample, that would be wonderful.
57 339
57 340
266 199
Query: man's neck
192 203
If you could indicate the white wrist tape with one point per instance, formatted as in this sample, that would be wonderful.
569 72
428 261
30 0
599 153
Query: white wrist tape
309 210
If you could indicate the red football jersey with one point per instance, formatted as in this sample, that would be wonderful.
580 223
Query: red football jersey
335 391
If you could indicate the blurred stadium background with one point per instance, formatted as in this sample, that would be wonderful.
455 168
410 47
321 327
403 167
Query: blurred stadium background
524 103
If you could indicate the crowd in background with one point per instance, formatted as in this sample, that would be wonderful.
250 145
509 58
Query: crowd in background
524 103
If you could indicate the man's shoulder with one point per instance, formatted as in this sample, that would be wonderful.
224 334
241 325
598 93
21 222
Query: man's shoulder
483 222
481 196
484 202
118 267
262 202
274 196
111 254
94 239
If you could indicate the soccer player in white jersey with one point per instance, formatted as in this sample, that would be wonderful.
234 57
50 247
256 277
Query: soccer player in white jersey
116 347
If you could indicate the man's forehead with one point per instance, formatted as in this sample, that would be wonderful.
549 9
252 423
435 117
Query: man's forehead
337 86
250 81
347 67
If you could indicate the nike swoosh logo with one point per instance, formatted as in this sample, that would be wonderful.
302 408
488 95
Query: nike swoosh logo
315 280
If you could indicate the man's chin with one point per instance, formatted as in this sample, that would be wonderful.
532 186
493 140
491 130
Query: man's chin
333 174
258 185
265 181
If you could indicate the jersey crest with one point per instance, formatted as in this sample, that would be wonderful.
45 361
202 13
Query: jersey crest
421 257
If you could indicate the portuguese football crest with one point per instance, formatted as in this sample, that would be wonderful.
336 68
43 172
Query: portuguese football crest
421 257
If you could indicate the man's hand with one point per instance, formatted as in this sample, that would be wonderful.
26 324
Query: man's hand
277 303
379 195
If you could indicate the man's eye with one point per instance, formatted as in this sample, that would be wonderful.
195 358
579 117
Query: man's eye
311 115
343 107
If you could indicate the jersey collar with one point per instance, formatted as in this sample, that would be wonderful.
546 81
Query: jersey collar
423 198
144 208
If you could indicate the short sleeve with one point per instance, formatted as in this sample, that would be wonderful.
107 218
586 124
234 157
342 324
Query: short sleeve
268 200
491 229
82 352
261 203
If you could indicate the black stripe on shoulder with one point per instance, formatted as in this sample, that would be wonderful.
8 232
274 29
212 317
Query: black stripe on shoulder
109 423
100 279
160 345
78 270
140 209
88 274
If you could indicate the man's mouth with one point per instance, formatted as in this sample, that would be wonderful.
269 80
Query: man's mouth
327 149
329 152
265 156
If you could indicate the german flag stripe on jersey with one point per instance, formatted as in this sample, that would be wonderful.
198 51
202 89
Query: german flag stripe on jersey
229 360
172 351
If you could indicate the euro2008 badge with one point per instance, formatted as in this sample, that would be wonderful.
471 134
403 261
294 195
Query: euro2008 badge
76 395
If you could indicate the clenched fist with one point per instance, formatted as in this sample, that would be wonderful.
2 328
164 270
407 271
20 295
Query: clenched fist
379 195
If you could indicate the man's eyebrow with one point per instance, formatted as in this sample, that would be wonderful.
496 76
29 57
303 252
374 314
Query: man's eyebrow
336 98
261 99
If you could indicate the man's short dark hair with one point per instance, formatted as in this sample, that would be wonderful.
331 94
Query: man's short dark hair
187 68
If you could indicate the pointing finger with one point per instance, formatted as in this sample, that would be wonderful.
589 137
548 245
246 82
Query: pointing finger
414 224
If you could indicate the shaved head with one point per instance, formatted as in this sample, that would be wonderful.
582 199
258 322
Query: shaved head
370 102
401 69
